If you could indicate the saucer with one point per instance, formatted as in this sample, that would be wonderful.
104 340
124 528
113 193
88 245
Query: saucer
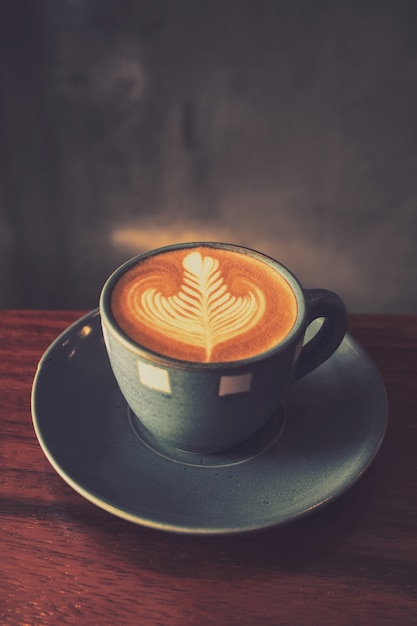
332 427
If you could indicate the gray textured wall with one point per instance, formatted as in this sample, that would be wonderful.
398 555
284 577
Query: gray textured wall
288 126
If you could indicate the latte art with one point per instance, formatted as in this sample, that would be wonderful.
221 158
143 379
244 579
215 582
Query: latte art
204 304
204 312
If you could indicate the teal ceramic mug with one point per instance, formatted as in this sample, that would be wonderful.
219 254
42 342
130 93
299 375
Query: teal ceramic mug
204 340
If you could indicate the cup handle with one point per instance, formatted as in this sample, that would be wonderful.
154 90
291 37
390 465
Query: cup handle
326 304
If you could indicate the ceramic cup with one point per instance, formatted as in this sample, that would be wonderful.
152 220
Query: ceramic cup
219 340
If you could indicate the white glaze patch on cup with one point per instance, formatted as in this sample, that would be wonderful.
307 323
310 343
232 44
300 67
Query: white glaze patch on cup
230 385
154 377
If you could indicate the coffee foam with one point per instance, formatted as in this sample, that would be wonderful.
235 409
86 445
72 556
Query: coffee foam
204 304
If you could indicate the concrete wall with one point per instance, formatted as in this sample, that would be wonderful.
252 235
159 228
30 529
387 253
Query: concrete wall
287 126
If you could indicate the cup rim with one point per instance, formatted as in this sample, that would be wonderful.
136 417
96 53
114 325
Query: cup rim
111 325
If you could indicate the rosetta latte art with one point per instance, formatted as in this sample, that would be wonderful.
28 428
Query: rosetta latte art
203 313
204 303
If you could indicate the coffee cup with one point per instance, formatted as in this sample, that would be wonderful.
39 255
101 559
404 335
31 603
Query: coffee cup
205 339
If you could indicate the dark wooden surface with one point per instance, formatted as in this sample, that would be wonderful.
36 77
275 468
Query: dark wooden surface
64 561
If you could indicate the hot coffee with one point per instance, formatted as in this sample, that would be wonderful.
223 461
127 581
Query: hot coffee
204 304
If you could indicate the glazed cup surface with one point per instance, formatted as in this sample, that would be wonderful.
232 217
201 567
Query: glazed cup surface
209 407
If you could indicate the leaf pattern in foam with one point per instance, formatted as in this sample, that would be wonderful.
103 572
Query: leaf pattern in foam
203 313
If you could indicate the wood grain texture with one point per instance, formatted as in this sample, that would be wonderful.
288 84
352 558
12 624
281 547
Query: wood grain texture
65 561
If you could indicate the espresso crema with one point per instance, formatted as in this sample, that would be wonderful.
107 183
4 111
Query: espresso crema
204 304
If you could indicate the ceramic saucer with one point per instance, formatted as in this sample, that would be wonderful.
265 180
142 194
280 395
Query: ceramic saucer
333 426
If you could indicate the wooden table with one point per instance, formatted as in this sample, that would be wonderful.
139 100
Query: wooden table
65 561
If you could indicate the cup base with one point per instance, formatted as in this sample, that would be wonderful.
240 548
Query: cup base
245 451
